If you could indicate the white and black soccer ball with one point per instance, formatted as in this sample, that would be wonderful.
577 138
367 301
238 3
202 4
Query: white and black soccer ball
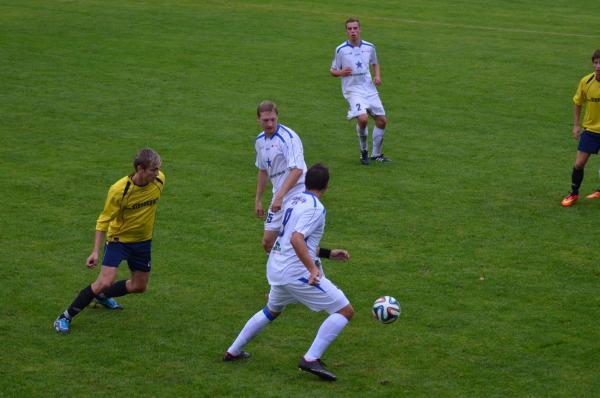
386 309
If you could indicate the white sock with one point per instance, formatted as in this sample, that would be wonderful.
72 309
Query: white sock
377 141
329 330
251 329
363 135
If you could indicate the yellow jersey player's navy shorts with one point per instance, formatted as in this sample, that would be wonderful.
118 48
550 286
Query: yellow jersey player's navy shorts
138 255
589 142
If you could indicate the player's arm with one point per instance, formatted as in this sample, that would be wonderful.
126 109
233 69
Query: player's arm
290 181
261 183
303 254
333 254
112 207
92 260
347 71
376 74
339 71
576 121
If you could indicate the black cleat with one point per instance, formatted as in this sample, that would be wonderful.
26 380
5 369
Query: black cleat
227 357
364 157
317 368
380 158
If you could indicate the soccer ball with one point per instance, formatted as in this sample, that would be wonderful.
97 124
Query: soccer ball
386 309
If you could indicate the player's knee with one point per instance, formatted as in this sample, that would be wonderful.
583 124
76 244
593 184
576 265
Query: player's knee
362 120
381 122
347 312
137 286
138 289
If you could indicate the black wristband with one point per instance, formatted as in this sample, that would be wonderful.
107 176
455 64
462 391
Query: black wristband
324 253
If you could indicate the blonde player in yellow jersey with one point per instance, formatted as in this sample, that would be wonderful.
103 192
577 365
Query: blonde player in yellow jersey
125 226
588 93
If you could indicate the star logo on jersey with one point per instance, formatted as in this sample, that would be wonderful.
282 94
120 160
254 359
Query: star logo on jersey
269 162
359 65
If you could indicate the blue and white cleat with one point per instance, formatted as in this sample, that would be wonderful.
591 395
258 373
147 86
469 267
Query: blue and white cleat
381 158
62 325
109 303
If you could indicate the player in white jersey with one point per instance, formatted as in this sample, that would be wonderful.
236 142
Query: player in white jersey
280 159
352 61
295 274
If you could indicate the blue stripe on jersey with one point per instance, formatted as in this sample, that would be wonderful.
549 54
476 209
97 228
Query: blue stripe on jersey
261 135
366 43
313 196
280 137
286 130
317 285
346 44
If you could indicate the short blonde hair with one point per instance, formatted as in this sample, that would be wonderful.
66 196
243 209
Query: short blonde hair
266 106
146 158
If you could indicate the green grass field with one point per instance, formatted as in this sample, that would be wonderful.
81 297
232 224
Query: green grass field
498 284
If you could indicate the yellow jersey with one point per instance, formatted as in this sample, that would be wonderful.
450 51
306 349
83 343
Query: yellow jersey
130 210
588 92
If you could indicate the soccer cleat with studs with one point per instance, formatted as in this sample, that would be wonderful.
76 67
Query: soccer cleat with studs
62 325
227 357
109 302
364 157
595 195
380 158
569 200
316 367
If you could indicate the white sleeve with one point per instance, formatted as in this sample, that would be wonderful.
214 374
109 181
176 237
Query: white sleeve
294 153
309 221
373 59
337 62
260 163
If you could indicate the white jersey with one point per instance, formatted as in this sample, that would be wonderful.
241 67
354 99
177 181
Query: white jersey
305 214
360 59
278 155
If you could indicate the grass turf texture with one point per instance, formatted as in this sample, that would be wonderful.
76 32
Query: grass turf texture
498 283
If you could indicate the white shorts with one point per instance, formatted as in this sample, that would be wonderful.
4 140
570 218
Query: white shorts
325 296
273 221
359 105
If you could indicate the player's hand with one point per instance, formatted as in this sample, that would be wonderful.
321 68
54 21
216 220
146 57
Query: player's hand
377 81
92 260
347 71
576 132
276 205
315 276
259 211
339 255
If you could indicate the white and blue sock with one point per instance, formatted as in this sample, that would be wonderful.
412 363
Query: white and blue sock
329 330
363 135
254 325
377 141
